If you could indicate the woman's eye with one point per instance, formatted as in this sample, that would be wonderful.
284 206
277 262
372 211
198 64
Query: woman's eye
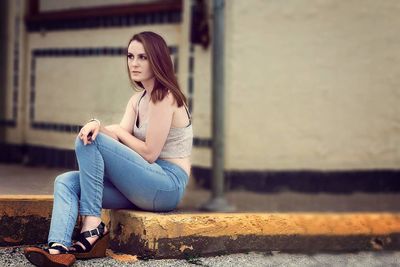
143 57
130 56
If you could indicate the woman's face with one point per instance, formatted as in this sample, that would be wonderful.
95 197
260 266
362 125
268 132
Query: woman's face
138 63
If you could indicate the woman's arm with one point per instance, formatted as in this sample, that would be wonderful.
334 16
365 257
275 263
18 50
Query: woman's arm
160 119
126 123
89 132
108 130
129 117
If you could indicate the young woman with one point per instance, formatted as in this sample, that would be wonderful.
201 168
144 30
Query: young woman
142 162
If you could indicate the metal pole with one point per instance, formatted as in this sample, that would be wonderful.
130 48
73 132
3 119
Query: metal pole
218 201
3 64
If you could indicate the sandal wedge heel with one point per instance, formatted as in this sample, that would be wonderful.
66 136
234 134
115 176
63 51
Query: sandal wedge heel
41 257
95 250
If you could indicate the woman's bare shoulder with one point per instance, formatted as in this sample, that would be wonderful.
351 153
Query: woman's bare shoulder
170 100
135 98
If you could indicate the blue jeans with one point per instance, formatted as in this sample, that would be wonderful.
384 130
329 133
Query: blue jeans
112 176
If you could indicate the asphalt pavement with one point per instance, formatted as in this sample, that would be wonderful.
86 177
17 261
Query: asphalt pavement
14 257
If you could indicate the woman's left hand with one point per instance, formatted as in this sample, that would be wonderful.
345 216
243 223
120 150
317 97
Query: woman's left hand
89 132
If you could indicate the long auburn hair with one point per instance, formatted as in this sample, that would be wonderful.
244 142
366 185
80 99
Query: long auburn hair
160 62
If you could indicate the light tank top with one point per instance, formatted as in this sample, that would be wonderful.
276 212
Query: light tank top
179 141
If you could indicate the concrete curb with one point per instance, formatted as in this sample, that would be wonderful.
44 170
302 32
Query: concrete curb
175 235
26 220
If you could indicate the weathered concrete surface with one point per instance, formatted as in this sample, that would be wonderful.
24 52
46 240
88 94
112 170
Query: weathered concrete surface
24 219
197 234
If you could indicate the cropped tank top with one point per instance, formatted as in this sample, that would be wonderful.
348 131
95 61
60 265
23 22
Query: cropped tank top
179 140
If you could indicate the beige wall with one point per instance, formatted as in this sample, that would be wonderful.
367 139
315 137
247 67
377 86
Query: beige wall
201 113
312 84
309 84
16 41
74 89
51 5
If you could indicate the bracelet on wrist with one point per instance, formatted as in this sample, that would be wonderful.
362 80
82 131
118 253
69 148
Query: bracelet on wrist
96 120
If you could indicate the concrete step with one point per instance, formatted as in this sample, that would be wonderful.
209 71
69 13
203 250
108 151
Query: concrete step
26 220
177 235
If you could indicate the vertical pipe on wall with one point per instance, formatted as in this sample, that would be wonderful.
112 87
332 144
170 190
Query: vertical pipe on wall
218 201
3 65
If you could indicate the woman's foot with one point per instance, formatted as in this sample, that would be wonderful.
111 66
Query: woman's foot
55 251
91 240
91 243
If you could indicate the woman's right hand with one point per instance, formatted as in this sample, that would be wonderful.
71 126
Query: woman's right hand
89 132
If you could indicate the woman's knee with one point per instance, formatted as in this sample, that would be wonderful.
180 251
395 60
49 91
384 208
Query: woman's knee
68 179
78 143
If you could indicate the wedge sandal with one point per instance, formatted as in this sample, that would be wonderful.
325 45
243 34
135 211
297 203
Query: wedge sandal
98 249
42 257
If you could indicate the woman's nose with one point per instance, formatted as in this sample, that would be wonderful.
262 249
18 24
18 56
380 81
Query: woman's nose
134 62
